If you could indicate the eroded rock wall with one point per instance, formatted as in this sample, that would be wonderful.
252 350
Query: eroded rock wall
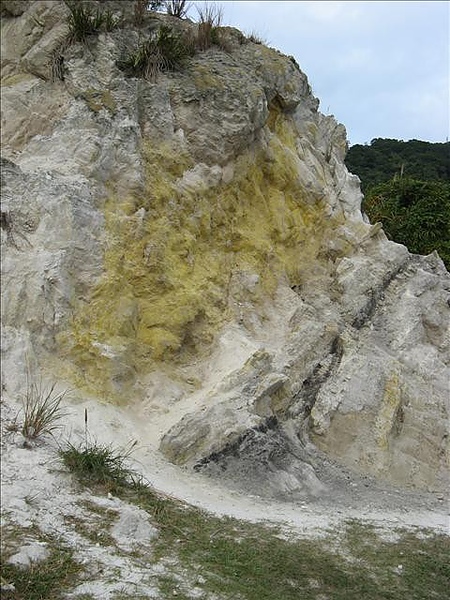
193 247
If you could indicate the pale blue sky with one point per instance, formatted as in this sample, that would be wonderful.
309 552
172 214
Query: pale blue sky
381 68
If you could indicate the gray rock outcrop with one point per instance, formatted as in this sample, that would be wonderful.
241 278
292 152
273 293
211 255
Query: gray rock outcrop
194 246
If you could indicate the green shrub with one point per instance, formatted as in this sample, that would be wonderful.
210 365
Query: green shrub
414 213
386 158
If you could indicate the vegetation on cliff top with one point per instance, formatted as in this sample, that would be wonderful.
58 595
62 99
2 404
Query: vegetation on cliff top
414 213
166 48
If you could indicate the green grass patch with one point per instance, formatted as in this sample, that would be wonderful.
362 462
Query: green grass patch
101 465
253 562
165 50
46 579
229 559
415 565
84 21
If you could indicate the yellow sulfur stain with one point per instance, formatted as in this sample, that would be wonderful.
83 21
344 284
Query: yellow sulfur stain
171 254
388 411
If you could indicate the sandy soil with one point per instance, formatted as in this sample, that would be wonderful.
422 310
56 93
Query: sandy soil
36 490
347 496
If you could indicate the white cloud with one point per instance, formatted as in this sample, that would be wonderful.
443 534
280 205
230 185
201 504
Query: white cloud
329 12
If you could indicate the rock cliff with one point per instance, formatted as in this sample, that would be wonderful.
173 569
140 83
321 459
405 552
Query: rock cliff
188 243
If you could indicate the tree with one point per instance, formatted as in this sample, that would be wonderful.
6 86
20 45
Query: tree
384 158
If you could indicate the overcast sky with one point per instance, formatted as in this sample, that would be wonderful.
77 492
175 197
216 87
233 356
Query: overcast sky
381 68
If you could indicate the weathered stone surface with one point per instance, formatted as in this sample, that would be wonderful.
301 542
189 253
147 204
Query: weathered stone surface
36 30
14 8
133 530
28 554
371 411
194 246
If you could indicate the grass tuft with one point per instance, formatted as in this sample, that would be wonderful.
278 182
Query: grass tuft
42 411
100 465
165 50
255 38
85 21
210 19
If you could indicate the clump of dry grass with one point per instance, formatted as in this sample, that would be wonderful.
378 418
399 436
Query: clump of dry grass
42 411
210 18
177 8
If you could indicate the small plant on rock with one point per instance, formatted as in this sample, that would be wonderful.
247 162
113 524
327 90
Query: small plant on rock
177 8
85 21
210 19
255 38
165 50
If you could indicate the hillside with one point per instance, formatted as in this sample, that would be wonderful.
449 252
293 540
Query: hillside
384 159
188 275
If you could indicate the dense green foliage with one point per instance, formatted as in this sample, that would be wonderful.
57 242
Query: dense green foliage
384 159
407 188
414 213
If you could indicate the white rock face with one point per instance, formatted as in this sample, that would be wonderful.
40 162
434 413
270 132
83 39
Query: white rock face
302 337
29 554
